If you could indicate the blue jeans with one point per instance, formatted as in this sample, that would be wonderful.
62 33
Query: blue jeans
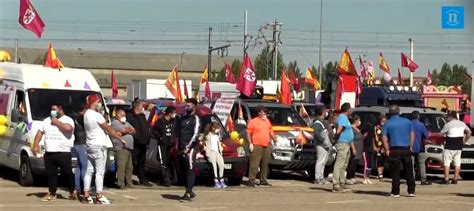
81 168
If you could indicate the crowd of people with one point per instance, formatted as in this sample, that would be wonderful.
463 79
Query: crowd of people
393 139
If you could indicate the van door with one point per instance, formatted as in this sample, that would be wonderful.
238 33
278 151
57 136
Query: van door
16 130
5 96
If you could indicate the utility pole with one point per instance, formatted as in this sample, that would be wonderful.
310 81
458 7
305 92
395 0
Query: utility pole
245 32
209 54
320 40
411 57
276 42
16 51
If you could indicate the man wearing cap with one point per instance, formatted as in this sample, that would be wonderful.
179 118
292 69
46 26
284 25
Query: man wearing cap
259 133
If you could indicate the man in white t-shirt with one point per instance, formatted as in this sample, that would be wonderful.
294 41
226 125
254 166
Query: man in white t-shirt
57 131
457 133
96 127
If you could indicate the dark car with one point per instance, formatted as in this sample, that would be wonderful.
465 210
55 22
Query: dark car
235 157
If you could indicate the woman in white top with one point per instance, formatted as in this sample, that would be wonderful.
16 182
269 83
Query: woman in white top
212 146
96 139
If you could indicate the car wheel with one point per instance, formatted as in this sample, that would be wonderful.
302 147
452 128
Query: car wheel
26 174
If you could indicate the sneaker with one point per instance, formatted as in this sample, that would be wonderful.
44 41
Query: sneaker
223 185
87 200
130 185
380 177
330 176
73 195
49 198
186 198
147 184
346 189
321 182
102 200
265 183
411 195
445 182
251 184
350 181
193 195
367 182
217 185
455 181
425 183
337 190
395 195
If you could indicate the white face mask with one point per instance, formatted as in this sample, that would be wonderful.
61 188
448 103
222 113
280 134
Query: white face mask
264 117
123 119
216 131
173 116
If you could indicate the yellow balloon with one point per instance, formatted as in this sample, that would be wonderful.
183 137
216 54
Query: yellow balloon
241 141
3 130
379 143
234 136
3 120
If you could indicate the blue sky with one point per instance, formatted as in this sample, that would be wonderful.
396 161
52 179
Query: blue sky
171 26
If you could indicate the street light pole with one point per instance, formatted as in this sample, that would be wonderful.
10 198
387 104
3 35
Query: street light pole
209 54
411 57
320 40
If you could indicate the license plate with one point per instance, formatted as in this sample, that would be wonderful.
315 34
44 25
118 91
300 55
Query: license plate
467 161
227 166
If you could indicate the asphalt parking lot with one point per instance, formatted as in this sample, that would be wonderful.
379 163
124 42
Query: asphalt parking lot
290 191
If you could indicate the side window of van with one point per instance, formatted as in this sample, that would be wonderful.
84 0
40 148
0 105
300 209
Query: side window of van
20 106
4 99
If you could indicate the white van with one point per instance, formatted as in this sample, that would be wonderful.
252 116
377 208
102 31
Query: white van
26 95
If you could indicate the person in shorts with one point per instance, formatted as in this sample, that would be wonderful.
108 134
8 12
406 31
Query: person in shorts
457 133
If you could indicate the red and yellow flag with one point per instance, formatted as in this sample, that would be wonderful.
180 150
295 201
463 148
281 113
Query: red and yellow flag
311 79
205 75
346 66
383 64
51 59
172 83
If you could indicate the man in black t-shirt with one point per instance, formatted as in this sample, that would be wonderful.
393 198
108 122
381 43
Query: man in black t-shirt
164 132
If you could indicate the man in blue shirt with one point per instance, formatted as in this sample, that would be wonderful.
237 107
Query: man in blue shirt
345 137
419 156
398 139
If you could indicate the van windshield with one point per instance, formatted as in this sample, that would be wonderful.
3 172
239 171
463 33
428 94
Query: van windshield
281 116
42 99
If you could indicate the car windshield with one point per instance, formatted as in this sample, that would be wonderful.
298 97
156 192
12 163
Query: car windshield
42 99
309 108
433 122
282 116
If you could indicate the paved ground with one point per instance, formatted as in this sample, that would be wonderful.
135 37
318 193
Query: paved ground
288 193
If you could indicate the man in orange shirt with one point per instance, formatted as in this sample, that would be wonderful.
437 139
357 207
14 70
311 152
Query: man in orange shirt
259 132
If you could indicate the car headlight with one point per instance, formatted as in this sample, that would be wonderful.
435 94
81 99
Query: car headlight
241 152
283 141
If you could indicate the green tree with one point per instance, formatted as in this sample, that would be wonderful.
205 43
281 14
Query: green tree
235 66
294 66
264 64
434 77
452 76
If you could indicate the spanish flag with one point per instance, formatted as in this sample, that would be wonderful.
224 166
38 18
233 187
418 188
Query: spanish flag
383 64
51 59
346 66
311 79
205 75
172 83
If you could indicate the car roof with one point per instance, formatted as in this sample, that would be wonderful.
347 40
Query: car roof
403 110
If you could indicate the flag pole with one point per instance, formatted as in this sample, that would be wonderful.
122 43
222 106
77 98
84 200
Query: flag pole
411 57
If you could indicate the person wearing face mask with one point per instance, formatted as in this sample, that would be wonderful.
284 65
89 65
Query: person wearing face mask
96 128
212 145
123 153
189 127
259 133
356 153
58 133
164 132
141 139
